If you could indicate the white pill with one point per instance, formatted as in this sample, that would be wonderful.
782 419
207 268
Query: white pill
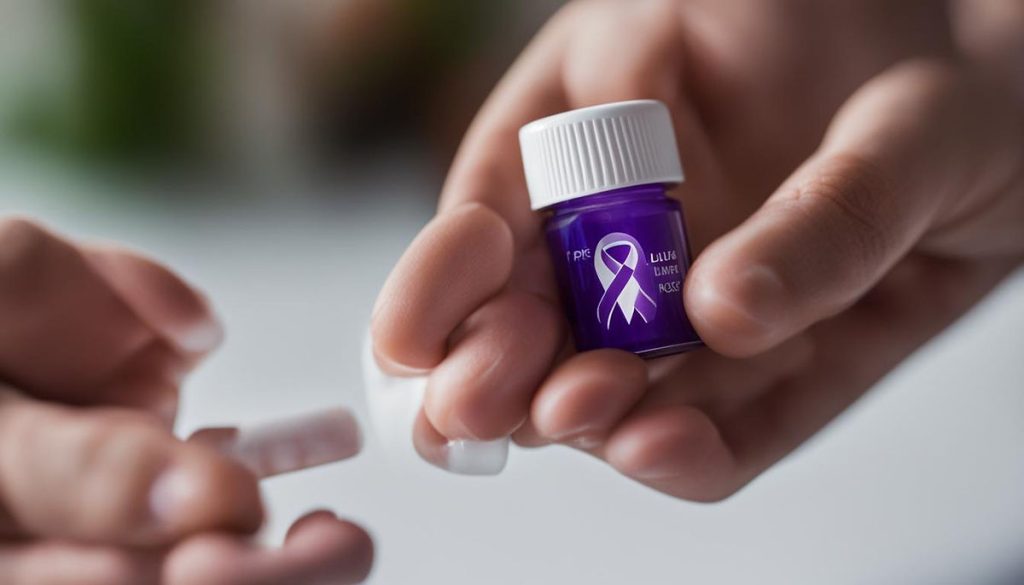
288 444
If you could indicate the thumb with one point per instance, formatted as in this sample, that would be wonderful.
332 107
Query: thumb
114 476
907 150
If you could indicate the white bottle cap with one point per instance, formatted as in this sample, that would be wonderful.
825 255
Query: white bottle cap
600 148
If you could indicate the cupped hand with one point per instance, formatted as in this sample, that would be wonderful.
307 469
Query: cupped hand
94 488
853 187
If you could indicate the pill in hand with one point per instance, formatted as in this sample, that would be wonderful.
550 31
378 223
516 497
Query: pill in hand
288 444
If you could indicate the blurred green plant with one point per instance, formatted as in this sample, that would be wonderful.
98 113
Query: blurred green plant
136 74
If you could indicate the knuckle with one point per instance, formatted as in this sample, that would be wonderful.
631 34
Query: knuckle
118 461
107 464
23 244
501 324
468 249
486 385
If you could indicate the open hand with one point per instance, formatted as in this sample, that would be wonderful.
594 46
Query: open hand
852 188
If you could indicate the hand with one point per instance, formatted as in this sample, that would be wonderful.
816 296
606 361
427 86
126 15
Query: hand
94 488
852 188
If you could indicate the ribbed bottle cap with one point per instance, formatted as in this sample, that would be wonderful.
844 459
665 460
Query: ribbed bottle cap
597 149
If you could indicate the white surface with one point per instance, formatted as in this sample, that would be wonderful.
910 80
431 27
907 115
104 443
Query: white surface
922 482
591 150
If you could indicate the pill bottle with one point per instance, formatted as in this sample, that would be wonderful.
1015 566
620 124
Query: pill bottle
617 239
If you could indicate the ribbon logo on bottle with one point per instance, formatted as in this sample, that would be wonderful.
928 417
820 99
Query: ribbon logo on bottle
624 273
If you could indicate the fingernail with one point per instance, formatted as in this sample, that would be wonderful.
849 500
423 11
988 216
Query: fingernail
393 368
574 435
456 427
585 442
201 338
749 300
466 457
171 493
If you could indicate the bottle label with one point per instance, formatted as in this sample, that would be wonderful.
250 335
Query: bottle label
627 279
620 273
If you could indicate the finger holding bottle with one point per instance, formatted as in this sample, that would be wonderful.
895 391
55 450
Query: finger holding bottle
520 303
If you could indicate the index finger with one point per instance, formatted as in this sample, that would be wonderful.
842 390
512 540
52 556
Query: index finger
465 255
123 329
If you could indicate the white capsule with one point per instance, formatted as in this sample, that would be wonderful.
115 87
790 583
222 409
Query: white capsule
289 444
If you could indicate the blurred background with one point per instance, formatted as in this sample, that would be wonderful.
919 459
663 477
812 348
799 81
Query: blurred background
251 90
281 155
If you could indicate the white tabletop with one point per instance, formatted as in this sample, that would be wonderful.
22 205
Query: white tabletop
921 482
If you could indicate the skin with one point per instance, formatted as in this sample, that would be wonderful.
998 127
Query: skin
848 203
855 183
94 487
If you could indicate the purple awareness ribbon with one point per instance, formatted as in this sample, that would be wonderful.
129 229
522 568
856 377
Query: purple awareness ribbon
621 287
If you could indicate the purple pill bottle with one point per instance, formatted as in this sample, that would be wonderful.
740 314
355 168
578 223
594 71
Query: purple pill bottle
617 240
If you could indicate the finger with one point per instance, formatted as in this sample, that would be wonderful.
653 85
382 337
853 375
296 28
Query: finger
720 384
67 563
158 297
905 149
288 444
488 171
396 407
529 437
593 392
58 306
498 358
460 456
585 397
708 452
465 256
672 439
676 449
114 476
893 321
167 305
319 549
462 258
